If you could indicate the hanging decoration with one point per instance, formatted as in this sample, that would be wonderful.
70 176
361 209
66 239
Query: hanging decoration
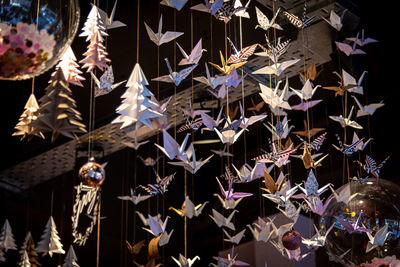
28 247
182 261
105 84
160 38
33 36
70 68
188 209
57 112
108 21
50 241
7 240
28 116
137 106
92 176
94 31
70 259
24 260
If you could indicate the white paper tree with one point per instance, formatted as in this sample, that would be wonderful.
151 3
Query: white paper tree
71 259
30 113
136 106
57 112
24 260
93 24
70 68
94 30
7 240
50 241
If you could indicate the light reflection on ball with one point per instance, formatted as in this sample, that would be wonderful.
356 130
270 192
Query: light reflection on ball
379 202
92 174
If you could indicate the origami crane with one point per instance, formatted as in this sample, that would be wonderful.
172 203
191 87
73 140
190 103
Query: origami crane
194 56
188 209
264 23
135 199
190 163
317 240
160 38
353 227
225 69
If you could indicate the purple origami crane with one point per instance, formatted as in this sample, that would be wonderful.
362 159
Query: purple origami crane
351 228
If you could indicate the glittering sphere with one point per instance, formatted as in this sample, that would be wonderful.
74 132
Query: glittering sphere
32 38
378 202
92 174
291 240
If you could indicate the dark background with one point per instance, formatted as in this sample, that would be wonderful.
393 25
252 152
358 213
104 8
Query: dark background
30 211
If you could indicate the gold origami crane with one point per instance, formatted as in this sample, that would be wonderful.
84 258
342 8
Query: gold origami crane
308 159
225 68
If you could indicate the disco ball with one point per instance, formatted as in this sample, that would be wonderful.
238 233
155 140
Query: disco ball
92 174
32 38
378 201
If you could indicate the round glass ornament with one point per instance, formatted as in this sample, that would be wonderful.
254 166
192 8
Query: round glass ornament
32 37
378 201
92 174
291 240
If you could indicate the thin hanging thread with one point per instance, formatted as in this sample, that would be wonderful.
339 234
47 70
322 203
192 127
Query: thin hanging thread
185 218
125 181
36 28
244 108
227 88
175 103
192 80
137 32
122 219
98 235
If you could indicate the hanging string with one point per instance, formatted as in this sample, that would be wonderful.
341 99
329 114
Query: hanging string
184 217
137 31
135 155
175 102
244 108
125 182
122 219
98 235
227 88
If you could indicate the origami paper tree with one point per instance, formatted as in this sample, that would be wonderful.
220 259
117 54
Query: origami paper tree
28 116
7 240
50 241
94 30
137 107
70 68
57 112
25 260
70 259
29 247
